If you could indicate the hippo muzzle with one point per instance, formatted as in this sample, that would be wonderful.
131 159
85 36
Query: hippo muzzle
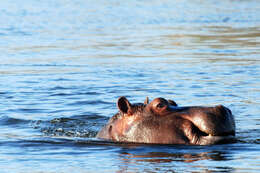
164 122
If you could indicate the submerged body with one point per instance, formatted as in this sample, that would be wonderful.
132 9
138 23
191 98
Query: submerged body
163 122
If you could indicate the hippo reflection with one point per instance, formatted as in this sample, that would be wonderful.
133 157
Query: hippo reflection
164 122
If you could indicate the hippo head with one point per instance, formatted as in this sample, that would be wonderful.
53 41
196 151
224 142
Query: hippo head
164 122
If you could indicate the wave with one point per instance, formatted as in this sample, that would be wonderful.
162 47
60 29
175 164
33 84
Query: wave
9 121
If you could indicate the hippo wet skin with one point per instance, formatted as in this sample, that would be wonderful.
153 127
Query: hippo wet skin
164 122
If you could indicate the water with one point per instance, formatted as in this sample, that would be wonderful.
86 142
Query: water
64 64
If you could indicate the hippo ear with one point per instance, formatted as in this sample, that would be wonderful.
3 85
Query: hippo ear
172 103
124 105
146 101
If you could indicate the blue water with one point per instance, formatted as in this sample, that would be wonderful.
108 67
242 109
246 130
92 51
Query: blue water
63 64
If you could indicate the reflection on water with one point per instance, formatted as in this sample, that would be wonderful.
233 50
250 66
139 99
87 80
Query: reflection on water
191 158
64 64
169 157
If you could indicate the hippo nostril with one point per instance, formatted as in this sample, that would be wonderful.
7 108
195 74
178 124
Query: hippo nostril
110 128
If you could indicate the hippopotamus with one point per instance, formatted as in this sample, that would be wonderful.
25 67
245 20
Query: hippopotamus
164 122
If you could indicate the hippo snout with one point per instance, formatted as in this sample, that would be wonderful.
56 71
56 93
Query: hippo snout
162 121
214 121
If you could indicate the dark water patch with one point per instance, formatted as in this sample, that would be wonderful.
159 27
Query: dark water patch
196 86
28 110
11 121
204 95
6 95
88 93
61 88
43 142
89 102
62 79
62 94
73 92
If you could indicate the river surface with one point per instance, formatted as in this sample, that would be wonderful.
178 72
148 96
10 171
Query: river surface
63 65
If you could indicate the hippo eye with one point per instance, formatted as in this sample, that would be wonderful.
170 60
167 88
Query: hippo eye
160 105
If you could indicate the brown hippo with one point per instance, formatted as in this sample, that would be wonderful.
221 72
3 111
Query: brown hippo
163 122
